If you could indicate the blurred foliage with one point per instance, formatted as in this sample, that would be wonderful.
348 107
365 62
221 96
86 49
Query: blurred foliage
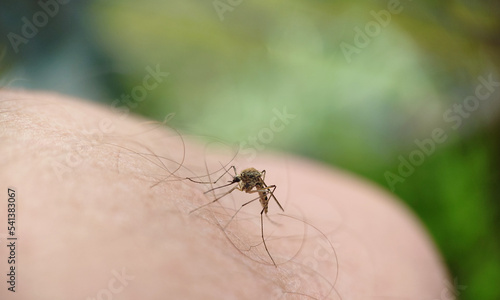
227 72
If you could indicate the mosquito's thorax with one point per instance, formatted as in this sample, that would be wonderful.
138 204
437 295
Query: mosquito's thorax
250 178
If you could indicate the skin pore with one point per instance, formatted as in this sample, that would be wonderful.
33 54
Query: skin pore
100 214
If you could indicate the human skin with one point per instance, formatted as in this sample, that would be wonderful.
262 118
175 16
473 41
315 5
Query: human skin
96 197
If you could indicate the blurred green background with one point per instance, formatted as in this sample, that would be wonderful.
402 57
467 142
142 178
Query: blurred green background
364 80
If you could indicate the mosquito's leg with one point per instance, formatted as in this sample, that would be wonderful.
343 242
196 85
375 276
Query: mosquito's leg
231 167
262 234
225 172
274 197
215 188
263 172
239 210
219 187
267 189
216 199
228 184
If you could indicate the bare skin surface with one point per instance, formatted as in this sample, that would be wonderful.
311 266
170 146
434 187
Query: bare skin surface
99 217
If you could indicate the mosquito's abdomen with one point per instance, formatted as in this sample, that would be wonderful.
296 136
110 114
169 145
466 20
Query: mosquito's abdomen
264 200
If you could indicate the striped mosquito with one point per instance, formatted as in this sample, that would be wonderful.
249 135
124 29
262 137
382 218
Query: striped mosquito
249 181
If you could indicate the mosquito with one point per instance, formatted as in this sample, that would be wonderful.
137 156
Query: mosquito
249 181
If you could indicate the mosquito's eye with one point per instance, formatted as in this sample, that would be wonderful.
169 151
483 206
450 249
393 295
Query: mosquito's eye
236 179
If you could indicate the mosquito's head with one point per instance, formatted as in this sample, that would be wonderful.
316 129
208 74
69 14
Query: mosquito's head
236 179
